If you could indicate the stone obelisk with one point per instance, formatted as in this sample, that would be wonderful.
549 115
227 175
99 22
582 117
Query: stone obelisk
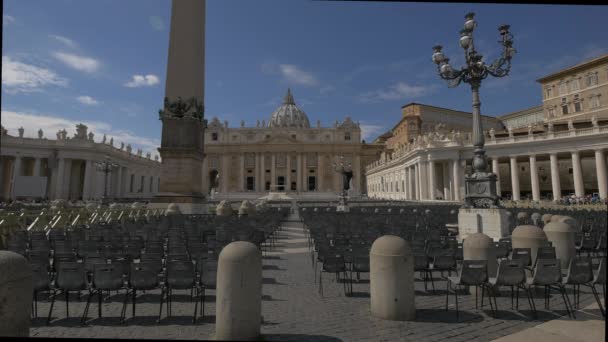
183 113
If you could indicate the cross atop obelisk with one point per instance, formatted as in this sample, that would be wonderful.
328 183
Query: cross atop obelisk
182 114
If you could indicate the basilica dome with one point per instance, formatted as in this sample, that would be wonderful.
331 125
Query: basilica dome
289 115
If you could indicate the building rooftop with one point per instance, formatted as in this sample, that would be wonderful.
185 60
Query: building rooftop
577 67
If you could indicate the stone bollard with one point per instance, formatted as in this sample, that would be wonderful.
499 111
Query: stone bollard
479 246
224 209
528 236
238 314
392 279
546 218
15 295
562 236
522 218
536 219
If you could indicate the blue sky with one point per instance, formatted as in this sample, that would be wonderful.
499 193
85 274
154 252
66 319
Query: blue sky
104 62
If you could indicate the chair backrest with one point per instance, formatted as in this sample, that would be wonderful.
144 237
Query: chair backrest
94 259
511 272
545 252
474 272
209 273
444 262
361 263
547 272
71 276
40 275
524 254
107 277
144 275
334 264
421 262
580 271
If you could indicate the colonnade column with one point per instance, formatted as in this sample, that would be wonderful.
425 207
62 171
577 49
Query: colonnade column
59 179
304 172
600 168
456 179
242 173
514 179
408 180
357 179
534 179
555 183
120 177
445 180
273 172
320 170
37 162
224 176
577 173
262 172
16 173
417 180
86 188
496 171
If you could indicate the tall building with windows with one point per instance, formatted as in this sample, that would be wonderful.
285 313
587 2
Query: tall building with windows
285 154
577 93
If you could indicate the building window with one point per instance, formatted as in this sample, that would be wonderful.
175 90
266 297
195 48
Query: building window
549 92
151 179
563 88
551 113
564 106
214 136
131 184
574 86
577 104
141 185
250 183
312 184
267 186
591 79
293 186
594 101
347 136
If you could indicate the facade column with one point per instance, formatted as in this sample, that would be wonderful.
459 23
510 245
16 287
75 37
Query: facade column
555 182
86 189
273 172
417 181
37 162
242 173
288 173
431 176
534 179
456 179
119 182
304 172
320 171
462 175
496 171
514 179
600 168
577 173
299 172
446 180
16 173
408 175
263 172
224 176
60 177
204 181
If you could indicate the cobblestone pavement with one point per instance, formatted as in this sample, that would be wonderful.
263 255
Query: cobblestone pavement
293 310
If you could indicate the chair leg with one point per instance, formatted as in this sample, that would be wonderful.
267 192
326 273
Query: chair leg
35 303
195 306
86 309
99 300
203 304
160 312
67 304
321 283
597 298
432 281
133 299
456 296
123 312
562 291
517 298
447 294
48 320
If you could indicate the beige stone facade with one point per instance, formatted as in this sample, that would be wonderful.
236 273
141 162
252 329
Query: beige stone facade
577 93
284 154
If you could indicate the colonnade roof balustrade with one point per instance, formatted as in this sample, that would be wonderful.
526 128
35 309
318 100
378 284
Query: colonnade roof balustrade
426 144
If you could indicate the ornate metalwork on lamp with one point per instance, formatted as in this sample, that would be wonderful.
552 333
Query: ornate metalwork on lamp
347 174
106 167
481 185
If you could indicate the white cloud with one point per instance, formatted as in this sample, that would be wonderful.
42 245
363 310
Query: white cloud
370 132
50 124
7 19
20 77
64 40
80 63
295 75
142 81
87 100
291 74
399 91
156 22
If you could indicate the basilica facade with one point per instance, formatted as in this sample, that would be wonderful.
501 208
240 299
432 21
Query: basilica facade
285 154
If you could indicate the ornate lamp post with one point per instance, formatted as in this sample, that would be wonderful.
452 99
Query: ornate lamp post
106 167
480 187
347 174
